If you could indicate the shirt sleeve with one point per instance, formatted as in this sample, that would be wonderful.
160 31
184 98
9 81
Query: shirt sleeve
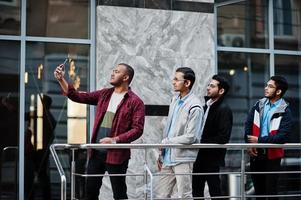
83 97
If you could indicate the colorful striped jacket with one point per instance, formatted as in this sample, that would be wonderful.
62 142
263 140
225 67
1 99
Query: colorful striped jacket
280 126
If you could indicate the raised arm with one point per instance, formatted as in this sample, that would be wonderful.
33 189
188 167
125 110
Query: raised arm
68 90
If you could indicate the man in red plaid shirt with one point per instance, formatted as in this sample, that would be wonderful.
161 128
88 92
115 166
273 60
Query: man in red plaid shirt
119 119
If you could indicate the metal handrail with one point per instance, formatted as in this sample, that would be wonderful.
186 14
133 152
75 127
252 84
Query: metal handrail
4 150
239 146
148 171
61 172
192 146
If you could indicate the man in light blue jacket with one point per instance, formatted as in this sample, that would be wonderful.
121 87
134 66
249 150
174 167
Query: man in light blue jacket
183 127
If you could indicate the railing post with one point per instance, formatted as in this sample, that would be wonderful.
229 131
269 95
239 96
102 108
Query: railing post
242 175
61 172
145 174
151 181
63 188
72 175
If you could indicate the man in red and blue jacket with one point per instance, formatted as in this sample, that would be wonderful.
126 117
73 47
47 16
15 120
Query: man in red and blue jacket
269 121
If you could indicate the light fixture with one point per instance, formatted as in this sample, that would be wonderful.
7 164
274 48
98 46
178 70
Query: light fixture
232 72
40 71
26 77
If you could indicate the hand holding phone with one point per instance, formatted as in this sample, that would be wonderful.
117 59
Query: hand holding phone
64 64
60 70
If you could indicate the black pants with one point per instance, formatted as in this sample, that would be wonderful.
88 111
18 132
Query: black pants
265 184
97 165
198 181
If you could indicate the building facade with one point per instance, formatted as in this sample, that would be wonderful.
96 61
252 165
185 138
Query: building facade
246 40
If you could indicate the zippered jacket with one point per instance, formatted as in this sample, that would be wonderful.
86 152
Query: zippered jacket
217 130
186 130
280 126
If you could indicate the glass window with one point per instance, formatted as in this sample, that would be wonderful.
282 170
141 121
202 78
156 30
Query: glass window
287 24
243 24
290 68
9 122
247 74
58 18
10 17
51 117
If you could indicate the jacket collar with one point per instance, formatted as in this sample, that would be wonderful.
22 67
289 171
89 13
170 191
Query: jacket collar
280 109
216 103
129 93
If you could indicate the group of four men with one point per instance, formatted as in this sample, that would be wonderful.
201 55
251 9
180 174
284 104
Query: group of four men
120 119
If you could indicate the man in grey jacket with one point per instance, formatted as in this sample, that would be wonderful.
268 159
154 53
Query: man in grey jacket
183 127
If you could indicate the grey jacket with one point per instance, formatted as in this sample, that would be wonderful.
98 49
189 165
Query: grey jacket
187 128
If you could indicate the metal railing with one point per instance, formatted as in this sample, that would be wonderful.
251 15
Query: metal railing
148 191
9 156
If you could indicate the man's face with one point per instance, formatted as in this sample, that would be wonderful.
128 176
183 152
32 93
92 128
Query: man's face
179 82
119 75
270 90
212 89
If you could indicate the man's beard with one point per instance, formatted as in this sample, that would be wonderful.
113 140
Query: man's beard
116 84
272 96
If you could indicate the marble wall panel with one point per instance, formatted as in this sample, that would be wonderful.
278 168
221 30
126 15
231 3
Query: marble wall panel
153 76
154 33
155 43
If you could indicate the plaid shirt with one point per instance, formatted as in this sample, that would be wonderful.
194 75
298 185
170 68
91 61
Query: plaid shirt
128 121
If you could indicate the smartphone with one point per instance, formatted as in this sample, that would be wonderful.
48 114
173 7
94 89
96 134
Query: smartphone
64 64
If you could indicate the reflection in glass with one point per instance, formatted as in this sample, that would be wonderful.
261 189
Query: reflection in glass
76 122
76 113
287 24
39 135
58 18
247 74
183 5
9 118
10 17
243 24
126 3
48 112
290 68
159 4
154 4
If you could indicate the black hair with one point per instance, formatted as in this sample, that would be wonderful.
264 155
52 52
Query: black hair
223 83
129 70
188 75
281 84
